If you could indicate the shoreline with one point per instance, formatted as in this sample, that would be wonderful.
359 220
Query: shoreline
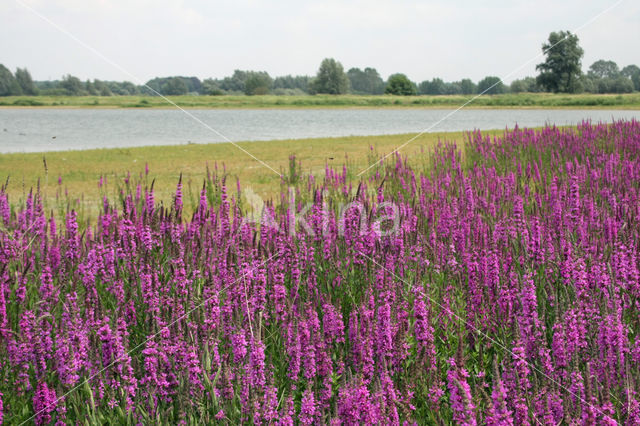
524 101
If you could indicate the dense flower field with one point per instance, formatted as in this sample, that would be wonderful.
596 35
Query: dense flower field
496 287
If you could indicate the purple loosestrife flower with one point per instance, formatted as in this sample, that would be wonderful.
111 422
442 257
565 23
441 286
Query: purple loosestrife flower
499 414
257 365
308 352
44 403
270 404
460 395
239 346
72 236
384 338
3 311
288 413
424 331
307 408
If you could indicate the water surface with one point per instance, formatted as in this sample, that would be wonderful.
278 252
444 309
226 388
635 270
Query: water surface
37 130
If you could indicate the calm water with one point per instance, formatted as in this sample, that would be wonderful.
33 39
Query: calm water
35 130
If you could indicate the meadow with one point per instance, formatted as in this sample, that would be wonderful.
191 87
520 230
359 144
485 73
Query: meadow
481 279
520 100
71 178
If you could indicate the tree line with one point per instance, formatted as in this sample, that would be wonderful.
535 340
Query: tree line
560 72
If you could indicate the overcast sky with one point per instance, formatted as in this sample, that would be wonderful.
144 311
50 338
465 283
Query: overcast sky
205 38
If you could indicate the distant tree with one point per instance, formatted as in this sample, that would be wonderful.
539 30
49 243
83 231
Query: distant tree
633 73
399 84
621 85
299 82
257 83
630 70
8 84
606 77
518 86
73 85
174 86
589 84
102 88
366 82
128 88
211 87
527 84
194 85
434 87
604 69
234 83
453 88
468 87
491 85
561 70
330 79
90 88
23 77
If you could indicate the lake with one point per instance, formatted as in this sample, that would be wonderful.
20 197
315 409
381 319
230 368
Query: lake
38 130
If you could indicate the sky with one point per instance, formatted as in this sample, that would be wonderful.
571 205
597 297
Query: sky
137 40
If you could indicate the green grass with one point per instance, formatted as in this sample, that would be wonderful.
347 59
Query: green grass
521 100
81 170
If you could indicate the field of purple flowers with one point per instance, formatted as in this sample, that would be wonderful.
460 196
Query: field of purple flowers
500 286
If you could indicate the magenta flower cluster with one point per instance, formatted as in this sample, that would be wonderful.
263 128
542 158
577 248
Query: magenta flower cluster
508 294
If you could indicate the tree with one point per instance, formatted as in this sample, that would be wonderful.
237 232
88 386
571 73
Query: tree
527 84
621 85
72 85
433 87
632 72
102 88
468 87
25 81
399 84
211 87
491 85
561 70
174 86
8 84
453 88
604 69
299 82
366 82
331 78
257 83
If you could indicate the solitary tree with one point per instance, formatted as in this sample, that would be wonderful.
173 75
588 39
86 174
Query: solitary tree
331 78
561 70
399 84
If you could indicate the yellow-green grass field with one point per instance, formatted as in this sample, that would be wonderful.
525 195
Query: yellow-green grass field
520 100
80 171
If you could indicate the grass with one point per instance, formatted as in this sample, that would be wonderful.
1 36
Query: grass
521 100
81 171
